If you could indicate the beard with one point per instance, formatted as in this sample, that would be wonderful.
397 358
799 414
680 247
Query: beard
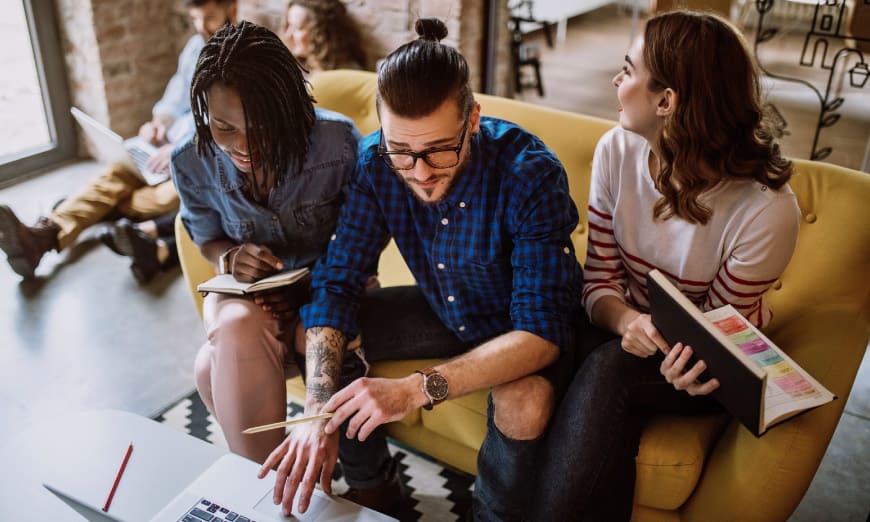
458 170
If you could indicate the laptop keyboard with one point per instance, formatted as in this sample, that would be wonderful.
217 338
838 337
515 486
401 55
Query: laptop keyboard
212 512
140 157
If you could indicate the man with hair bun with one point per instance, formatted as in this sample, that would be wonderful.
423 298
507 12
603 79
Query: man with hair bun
481 213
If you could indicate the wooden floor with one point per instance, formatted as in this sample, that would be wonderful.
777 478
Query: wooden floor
577 76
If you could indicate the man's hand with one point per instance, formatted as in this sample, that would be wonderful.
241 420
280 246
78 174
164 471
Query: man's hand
275 302
306 454
370 402
252 262
154 131
642 338
674 370
159 161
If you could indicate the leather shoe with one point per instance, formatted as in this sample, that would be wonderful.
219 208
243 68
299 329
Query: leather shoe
385 498
107 237
139 246
25 246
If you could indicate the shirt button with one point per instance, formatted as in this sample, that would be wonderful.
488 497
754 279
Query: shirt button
461 328
440 266
450 298
332 237
566 250
444 221
462 204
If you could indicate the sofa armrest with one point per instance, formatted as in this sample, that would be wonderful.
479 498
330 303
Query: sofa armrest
194 266
748 478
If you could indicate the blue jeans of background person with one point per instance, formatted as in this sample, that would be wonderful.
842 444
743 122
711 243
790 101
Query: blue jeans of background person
397 323
587 461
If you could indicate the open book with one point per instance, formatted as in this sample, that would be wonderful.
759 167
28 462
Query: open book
227 284
758 383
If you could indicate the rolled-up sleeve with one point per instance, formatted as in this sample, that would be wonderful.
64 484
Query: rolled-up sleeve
547 278
201 220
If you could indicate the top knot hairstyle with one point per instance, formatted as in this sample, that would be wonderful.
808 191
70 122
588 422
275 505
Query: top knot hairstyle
719 129
416 79
279 111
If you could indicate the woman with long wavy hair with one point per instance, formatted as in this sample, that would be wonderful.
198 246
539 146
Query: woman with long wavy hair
691 183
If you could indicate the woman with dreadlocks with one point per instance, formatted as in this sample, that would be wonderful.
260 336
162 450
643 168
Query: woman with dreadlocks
260 183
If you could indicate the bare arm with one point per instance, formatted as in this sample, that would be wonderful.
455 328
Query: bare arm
324 349
500 360
370 402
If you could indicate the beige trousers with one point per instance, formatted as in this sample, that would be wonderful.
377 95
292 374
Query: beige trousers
241 372
115 192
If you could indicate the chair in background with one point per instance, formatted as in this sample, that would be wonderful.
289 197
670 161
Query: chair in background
524 55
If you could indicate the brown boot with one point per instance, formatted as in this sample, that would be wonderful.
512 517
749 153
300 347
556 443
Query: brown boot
386 498
25 246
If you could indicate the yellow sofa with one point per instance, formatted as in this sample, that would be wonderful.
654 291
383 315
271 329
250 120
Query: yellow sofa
703 468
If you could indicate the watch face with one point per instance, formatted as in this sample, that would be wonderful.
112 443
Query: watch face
436 387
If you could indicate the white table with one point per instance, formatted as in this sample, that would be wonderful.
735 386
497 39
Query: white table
81 453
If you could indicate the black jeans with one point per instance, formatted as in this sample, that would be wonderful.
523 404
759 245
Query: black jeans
587 462
397 323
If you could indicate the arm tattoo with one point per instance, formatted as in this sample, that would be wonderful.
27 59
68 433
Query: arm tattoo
323 354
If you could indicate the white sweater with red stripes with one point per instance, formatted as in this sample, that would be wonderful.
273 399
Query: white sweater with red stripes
733 259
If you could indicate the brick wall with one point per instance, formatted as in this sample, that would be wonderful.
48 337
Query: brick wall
120 53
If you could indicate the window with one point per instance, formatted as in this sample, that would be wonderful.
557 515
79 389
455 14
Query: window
37 129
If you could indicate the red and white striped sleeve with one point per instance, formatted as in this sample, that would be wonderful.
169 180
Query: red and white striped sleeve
760 256
604 272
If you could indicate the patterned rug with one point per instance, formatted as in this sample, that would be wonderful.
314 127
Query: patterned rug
436 493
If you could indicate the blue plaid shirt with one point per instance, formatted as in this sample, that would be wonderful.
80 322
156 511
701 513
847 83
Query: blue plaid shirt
493 256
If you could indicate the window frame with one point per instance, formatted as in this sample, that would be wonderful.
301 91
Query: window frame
43 28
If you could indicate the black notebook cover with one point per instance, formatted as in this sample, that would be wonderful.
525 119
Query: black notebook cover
740 389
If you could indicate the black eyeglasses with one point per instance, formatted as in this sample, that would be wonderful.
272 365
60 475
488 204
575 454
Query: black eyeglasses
442 158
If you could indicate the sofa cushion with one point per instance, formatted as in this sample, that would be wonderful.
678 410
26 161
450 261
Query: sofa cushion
671 458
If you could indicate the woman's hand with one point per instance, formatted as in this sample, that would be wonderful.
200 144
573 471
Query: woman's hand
640 337
674 370
252 262
275 302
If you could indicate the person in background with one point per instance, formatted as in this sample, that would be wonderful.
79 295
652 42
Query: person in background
145 234
481 212
692 183
322 36
261 185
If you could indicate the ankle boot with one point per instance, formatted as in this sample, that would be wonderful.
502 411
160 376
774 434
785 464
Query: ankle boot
387 497
25 246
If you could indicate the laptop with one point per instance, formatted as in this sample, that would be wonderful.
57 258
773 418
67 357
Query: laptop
112 148
229 491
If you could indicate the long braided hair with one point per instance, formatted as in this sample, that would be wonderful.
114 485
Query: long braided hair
279 110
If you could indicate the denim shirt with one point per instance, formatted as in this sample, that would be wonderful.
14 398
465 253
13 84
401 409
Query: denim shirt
302 210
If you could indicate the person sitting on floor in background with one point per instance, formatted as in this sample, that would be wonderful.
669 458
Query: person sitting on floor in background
691 183
481 212
119 192
261 185
322 36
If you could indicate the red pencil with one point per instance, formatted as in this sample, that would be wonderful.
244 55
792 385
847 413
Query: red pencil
118 478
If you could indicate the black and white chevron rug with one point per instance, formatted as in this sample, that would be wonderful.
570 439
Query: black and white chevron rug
436 493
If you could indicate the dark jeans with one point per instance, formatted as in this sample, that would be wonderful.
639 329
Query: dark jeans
587 462
397 323
165 224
